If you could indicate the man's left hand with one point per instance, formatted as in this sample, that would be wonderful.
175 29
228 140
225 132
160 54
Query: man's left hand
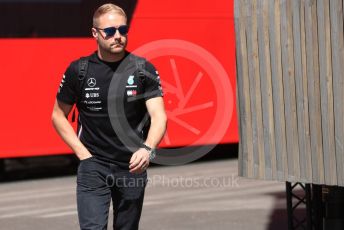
139 161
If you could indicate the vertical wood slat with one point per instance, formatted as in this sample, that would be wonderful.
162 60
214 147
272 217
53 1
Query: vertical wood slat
248 107
243 90
302 111
266 89
240 64
257 89
255 94
277 85
269 91
306 156
290 57
314 91
257 17
254 143
336 11
340 115
289 91
241 162
326 92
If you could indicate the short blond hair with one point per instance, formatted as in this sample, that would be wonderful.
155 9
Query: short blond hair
106 8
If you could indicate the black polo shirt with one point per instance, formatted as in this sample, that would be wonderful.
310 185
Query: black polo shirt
91 97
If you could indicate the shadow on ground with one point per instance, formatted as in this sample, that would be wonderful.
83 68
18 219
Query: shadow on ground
64 165
16 169
279 215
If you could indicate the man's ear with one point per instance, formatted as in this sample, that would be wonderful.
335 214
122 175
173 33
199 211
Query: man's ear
94 33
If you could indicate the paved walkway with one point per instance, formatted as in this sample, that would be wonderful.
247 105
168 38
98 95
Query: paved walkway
206 195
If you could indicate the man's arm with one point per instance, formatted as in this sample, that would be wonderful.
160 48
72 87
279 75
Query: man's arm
66 131
156 110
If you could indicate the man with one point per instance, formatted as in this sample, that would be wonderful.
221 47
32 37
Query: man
107 167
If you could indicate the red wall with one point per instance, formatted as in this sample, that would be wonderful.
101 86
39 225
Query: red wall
31 70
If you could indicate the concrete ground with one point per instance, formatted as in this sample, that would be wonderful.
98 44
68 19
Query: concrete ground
205 195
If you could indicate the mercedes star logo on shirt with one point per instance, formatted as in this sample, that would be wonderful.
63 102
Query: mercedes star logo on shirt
91 82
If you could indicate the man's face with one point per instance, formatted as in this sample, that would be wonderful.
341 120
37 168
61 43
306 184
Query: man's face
116 43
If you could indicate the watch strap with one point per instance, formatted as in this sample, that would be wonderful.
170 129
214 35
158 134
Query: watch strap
152 151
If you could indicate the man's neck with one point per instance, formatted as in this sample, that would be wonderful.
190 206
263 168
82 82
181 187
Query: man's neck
110 57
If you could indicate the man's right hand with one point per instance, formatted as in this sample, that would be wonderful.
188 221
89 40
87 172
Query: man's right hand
66 131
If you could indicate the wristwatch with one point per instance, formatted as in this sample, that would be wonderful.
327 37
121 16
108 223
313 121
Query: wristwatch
152 151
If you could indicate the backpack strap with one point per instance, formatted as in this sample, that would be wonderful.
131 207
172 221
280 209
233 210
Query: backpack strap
141 67
83 66
143 126
82 72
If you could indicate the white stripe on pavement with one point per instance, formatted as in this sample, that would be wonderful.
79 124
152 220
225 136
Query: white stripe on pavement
59 214
24 192
39 211
37 196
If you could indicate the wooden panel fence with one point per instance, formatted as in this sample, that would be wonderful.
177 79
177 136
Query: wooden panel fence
290 83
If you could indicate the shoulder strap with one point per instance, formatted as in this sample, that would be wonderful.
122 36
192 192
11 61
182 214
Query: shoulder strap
82 72
143 126
140 64
83 66
141 67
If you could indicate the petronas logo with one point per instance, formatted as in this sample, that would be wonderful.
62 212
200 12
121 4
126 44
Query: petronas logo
131 79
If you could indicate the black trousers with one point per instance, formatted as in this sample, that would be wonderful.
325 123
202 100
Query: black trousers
97 183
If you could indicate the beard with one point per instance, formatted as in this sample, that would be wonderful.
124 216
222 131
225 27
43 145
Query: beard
116 47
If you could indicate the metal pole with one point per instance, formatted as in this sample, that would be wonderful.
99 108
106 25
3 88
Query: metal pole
309 209
318 207
289 205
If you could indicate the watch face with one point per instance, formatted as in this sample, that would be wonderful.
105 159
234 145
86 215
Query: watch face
152 154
